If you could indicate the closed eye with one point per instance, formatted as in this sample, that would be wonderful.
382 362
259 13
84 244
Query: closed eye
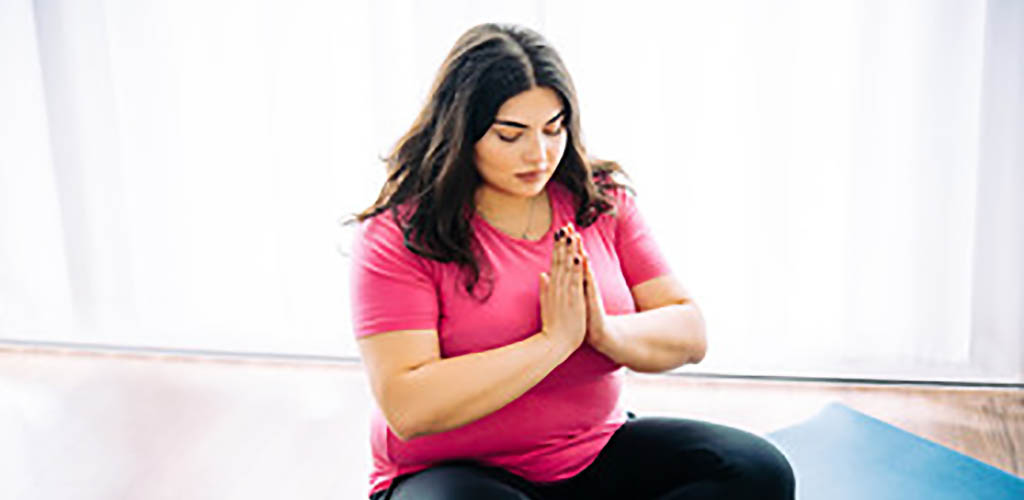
554 132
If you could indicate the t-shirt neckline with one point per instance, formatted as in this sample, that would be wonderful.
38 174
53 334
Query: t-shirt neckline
523 241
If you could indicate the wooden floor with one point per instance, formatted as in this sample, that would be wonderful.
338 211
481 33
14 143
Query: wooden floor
90 425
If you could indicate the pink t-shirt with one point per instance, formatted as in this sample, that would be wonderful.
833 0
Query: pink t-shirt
557 428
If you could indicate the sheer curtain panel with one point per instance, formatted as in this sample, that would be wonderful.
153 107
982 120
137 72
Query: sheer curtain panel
840 184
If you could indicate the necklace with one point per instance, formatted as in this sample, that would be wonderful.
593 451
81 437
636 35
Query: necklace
529 219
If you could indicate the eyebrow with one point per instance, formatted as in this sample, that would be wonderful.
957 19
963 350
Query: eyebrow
520 125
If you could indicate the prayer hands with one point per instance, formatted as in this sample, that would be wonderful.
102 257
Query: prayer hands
597 321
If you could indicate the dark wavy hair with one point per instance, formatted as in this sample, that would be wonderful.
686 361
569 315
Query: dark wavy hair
430 172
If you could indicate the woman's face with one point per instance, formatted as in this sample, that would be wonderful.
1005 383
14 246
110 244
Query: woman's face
527 136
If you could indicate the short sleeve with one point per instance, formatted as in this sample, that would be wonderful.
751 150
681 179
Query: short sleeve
639 255
391 288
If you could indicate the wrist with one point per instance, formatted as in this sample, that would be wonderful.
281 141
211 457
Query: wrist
554 341
607 337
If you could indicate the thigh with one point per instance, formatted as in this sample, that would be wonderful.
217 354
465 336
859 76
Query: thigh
460 480
651 456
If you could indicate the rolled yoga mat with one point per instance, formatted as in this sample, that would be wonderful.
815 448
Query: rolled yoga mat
842 454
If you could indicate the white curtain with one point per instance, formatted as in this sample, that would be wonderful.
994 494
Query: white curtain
840 184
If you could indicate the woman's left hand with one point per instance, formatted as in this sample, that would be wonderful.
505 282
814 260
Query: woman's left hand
597 320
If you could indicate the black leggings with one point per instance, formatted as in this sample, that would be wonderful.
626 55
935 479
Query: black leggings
648 458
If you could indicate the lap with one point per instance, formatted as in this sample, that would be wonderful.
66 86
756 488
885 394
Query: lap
650 456
457 480
647 458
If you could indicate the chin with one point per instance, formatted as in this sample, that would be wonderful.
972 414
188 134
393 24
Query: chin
537 190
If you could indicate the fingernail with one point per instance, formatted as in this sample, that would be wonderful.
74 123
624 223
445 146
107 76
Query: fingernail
558 235
568 241
575 260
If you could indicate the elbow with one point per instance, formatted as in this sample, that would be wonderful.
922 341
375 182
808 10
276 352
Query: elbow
402 419
694 340
408 425
399 431
398 408
699 346
702 338
403 429
405 411
698 353
402 435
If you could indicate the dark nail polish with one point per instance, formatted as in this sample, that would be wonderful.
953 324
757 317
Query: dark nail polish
575 260
568 241
558 235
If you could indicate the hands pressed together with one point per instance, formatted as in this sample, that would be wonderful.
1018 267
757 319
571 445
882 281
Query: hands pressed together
570 302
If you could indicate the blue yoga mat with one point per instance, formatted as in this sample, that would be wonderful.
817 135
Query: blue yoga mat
842 454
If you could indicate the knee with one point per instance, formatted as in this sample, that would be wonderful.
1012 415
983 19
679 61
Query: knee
766 470
456 482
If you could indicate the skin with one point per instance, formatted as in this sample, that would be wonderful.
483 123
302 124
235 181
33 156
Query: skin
527 136
648 341
537 144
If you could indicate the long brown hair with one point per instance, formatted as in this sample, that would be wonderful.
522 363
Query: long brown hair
431 167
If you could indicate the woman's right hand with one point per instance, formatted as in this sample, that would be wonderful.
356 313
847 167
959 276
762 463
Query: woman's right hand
563 307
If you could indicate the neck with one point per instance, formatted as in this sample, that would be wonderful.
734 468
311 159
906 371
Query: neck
496 205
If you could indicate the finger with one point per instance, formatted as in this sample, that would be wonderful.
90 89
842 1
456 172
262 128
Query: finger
577 275
577 246
564 244
572 260
586 273
569 231
558 234
563 271
586 267
577 265
556 254
591 280
588 280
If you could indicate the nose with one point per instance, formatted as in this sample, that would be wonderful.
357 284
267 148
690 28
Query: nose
536 149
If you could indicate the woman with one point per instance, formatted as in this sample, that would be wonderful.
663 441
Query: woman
497 288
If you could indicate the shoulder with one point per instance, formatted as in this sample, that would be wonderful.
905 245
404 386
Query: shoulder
380 232
621 195
380 241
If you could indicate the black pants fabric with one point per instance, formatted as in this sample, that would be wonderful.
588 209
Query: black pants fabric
648 458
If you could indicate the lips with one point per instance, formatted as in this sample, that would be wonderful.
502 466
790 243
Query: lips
531 177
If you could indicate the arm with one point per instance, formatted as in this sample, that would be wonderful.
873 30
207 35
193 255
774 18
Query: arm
453 392
666 333
418 392
655 340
